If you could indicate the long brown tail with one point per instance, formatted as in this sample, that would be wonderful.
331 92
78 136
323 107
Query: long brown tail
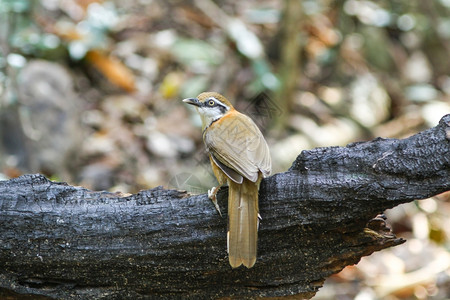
242 223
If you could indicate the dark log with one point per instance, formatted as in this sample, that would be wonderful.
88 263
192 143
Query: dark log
68 242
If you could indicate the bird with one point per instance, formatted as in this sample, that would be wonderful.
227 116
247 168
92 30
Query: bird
239 157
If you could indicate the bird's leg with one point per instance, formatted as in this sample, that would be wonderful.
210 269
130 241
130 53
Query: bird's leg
212 196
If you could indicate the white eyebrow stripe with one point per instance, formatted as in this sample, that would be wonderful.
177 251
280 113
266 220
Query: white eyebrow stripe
221 103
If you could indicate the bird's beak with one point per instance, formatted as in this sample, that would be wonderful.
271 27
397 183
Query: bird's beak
193 101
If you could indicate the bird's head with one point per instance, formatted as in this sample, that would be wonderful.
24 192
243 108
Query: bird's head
211 106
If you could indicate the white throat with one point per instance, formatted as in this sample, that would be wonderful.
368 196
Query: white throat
209 115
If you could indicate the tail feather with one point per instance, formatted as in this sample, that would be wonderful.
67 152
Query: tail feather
242 223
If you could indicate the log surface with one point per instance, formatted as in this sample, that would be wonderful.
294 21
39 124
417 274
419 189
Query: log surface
61 241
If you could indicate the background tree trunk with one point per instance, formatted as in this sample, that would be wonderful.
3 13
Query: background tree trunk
289 58
68 242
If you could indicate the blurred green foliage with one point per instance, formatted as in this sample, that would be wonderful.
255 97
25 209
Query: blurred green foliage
361 64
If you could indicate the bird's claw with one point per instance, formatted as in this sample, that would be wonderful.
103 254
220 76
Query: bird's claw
212 196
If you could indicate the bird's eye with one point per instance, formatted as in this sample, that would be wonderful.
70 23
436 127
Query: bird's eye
211 103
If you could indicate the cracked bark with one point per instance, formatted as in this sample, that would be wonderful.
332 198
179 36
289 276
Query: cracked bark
61 241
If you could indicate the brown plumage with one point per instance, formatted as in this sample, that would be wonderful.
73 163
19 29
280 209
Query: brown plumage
239 157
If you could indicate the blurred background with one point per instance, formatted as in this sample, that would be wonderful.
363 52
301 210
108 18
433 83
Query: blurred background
90 94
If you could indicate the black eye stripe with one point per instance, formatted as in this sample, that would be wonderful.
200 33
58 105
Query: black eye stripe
213 102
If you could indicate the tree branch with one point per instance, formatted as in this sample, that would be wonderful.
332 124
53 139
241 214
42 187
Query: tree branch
68 242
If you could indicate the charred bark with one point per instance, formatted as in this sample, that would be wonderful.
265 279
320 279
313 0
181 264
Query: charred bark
61 241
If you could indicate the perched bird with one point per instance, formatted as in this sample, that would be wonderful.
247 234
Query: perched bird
240 157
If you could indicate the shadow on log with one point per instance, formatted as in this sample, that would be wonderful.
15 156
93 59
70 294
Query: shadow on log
61 241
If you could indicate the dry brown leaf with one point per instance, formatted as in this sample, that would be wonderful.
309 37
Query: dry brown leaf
113 69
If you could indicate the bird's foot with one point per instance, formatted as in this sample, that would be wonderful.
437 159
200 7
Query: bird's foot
212 196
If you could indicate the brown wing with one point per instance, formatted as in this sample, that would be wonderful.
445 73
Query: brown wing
236 142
